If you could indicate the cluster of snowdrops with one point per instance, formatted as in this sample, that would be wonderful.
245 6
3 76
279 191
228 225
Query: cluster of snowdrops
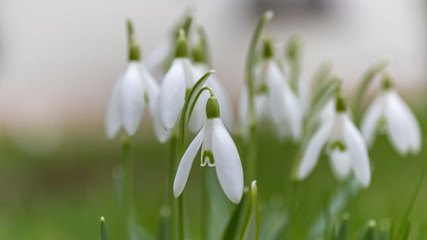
188 96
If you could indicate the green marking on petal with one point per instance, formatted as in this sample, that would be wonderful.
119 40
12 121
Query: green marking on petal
146 98
263 89
208 154
338 144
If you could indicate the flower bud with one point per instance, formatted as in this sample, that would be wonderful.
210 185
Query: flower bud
212 108
181 50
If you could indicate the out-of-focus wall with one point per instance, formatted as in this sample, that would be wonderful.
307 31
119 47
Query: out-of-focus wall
59 59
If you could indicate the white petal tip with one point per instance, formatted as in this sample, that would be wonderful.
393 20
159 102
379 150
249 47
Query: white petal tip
212 71
269 15
102 219
235 199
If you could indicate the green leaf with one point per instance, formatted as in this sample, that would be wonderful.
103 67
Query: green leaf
337 203
364 84
385 231
218 207
104 234
322 74
190 101
274 220
320 100
234 225
251 225
407 231
341 232
370 232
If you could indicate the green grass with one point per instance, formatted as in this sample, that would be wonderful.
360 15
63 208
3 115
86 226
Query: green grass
62 196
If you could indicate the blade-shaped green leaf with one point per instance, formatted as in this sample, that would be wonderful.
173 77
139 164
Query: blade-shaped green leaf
104 234
189 105
251 225
274 219
370 232
235 223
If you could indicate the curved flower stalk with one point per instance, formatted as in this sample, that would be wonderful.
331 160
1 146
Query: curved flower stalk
218 150
294 76
344 145
201 66
274 98
177 82
159 60
134 89
389 114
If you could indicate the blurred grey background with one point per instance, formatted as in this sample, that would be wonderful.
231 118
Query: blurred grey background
59 59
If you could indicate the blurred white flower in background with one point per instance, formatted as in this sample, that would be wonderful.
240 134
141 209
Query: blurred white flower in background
274 98
389 114
344 145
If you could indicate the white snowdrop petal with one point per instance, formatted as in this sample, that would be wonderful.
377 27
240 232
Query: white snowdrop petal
275 82
370 120
413 126
328 112
207 142
186 163
304 94
312 151
358 152
131 103
243 112
340 163
112 116
227 162
294 113
198 117
397 123
152 88
226 109
172 94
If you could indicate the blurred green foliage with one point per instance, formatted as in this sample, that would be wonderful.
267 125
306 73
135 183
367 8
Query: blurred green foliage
63 195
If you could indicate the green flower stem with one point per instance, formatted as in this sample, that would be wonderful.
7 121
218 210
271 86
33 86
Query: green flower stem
252 217
365 83
250 81
406 215
173 160
187 109
293 55
204 200
127 184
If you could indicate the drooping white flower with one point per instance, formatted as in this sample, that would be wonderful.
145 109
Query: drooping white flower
134 89
217 150
388 113
344 145
177 82
274 98
201 67
127 102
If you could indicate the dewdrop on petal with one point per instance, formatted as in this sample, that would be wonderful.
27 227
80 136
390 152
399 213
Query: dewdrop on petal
218 150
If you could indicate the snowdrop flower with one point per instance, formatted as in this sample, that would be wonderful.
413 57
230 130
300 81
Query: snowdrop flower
201 67
344 145
177 82
389 114
218 150
274 98
132 92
